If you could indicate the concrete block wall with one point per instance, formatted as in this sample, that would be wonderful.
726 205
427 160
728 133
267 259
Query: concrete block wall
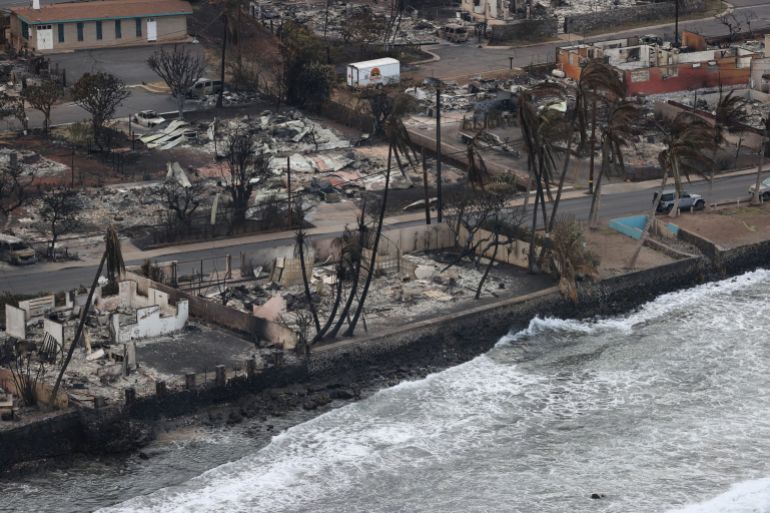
150 323
534 29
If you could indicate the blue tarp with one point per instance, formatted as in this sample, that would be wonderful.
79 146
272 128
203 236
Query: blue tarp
632 226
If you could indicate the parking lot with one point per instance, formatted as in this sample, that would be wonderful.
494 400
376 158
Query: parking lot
128 64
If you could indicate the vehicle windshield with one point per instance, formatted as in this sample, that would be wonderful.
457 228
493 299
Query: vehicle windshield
667 197
766 182
17 246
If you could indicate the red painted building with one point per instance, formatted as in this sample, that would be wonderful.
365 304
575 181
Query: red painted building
650 68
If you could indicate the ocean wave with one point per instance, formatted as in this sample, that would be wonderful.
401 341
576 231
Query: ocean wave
745 497
657 308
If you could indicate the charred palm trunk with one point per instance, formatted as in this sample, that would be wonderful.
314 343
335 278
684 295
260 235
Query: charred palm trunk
650 220
333 313
378 234
356 277
305 281
596 197
491 262
755 198
79 330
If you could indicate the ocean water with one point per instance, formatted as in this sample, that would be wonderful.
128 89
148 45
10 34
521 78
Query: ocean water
664 409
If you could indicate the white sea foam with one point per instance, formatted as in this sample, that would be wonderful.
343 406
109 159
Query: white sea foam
659 307
466 434
746 497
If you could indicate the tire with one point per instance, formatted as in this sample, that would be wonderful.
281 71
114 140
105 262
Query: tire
700 205
766 196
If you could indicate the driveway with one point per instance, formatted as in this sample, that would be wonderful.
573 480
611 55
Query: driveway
128 64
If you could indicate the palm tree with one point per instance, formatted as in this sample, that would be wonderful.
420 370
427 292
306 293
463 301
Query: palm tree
615 135
730 111
762 147
375 246
542 126
686 141
301 244
598 82
113 258
346 246
356 257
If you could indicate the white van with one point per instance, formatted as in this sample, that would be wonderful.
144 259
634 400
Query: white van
454 32
204 87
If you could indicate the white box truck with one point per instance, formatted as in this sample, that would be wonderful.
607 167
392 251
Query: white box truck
377 72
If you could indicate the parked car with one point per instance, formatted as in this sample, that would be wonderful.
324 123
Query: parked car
15 251
454 32
686 201
204 87
764 189
148 118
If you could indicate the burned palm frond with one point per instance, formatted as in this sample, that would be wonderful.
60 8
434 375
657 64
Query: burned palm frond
116 267
570 260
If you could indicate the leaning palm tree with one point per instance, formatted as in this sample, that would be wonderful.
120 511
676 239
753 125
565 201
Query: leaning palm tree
686 143
113 259
729 113
755 197
615 135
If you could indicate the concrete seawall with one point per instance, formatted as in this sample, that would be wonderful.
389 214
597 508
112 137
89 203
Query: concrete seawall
442 341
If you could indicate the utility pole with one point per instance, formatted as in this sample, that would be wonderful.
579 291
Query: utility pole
676 24
288 189
425 187
439 197
222 70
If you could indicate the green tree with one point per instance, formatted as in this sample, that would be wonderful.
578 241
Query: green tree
42 97
615 135
307 82
59 211
686 143
99 94
729 113
765 137
599 83
179 68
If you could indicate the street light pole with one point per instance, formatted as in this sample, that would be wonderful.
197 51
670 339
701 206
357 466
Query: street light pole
439 196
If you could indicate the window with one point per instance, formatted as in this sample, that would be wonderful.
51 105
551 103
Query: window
98 30
80 31
118 30
138 27
24 30
640 76
60 30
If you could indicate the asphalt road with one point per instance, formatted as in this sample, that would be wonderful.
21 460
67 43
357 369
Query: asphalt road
613 205
468 59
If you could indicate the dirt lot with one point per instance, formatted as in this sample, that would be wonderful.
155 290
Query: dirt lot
615 251
730 227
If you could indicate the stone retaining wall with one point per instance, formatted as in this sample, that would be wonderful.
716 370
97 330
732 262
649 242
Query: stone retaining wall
603 20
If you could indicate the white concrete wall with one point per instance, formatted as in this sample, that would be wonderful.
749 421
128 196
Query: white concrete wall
37 306
55 329
15 322
149 323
